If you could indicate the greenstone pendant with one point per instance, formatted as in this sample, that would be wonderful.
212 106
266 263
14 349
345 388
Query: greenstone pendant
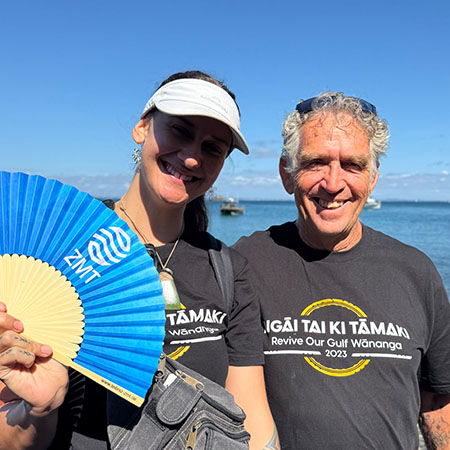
170 293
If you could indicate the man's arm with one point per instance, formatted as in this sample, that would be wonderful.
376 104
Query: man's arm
434 420
249 391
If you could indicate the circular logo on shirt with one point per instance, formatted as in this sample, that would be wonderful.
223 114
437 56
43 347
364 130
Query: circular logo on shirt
337 348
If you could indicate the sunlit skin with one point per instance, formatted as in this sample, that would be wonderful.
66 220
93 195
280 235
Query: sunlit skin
181 158
333 182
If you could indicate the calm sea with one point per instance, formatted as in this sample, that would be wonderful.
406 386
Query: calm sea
423 225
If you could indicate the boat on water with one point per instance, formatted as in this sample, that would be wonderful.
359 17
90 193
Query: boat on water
231 207
372 203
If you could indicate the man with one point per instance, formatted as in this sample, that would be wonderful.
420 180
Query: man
357 324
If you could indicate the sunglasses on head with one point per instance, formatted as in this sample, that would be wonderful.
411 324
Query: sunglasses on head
306 106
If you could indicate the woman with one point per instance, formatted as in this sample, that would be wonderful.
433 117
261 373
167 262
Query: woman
187 129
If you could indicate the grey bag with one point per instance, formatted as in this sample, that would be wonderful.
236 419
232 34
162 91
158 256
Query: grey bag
183 411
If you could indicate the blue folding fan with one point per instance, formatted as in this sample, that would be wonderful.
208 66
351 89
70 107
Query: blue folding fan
80 281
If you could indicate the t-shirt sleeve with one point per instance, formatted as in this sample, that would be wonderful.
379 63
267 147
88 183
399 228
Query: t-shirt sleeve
244 336
435 366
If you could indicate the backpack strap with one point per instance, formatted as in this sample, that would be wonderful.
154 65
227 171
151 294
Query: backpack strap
220 259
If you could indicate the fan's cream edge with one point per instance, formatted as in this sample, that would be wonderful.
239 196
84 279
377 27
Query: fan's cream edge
113 387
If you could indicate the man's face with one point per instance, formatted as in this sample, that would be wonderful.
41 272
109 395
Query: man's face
333 181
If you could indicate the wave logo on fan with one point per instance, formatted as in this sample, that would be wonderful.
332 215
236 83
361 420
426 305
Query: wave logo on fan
104 250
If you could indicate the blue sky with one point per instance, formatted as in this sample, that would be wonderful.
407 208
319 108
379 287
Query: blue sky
75 76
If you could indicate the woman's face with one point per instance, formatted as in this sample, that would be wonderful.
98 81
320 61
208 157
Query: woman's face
181 156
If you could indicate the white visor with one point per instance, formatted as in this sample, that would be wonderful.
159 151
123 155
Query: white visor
193 97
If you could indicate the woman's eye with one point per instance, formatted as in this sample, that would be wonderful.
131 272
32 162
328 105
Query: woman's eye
180 131
213 149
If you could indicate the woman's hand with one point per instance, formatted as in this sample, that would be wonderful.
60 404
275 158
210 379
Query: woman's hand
27 370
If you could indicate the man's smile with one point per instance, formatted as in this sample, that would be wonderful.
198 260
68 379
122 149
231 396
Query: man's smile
325 204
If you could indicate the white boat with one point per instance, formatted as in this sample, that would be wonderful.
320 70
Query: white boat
372 203
230 207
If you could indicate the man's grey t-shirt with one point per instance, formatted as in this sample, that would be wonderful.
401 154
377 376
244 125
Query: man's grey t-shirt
350 338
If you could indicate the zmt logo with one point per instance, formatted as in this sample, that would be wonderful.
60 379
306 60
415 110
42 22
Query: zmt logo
100 252
104 249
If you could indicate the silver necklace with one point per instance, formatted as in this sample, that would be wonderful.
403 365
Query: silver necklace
170 293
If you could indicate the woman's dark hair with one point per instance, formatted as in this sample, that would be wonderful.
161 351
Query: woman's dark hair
195 214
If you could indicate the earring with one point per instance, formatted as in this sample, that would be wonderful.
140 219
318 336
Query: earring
137 155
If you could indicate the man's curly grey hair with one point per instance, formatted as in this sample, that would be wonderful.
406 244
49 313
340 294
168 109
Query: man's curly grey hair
377 129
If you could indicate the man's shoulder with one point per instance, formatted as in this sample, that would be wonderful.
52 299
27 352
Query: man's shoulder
389 245
378 238
262 239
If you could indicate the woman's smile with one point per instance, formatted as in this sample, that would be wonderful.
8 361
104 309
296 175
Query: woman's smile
169 168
